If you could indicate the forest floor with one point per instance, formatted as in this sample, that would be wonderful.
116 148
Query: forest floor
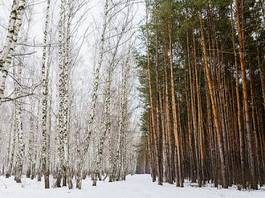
138 186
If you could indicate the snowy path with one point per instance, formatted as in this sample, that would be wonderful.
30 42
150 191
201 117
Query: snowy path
139 186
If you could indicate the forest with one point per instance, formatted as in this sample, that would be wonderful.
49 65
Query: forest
127 94
202 82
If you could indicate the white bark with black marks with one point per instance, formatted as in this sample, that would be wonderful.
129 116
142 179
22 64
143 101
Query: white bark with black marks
14 26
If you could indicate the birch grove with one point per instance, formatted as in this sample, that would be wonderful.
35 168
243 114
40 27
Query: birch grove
54 132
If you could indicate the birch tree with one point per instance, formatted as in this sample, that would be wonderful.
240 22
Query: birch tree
45 88
19 130
14 25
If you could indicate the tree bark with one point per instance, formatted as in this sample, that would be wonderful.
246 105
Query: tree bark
216 116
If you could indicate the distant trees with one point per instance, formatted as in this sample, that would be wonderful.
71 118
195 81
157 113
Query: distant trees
201 80
83 149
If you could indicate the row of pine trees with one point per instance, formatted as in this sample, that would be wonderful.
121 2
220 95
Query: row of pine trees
203 85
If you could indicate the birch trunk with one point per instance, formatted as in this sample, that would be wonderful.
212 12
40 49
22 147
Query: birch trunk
19 132
45 86
14 25
61 117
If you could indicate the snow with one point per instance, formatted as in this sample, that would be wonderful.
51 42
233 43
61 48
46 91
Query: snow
137 186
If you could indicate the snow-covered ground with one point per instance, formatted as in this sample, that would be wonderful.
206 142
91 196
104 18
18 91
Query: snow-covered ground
138 186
